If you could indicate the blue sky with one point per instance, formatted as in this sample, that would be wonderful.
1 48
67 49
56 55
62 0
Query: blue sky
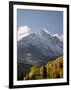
38 19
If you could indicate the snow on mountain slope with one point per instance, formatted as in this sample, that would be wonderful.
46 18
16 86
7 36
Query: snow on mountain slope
41 46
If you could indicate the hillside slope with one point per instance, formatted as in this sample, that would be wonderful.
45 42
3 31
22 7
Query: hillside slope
53 69
38 48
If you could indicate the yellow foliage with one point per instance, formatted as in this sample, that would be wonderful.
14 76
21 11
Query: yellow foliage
54 70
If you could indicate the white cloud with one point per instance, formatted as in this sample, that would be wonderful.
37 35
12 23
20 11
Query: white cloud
23 31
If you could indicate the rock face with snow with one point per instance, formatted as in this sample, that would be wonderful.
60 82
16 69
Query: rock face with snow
38 48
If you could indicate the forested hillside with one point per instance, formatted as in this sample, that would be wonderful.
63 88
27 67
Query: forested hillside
53 69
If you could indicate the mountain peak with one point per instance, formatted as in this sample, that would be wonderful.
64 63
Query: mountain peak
45 30
55 35
58 37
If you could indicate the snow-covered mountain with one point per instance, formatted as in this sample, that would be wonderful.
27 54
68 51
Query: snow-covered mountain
39 47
